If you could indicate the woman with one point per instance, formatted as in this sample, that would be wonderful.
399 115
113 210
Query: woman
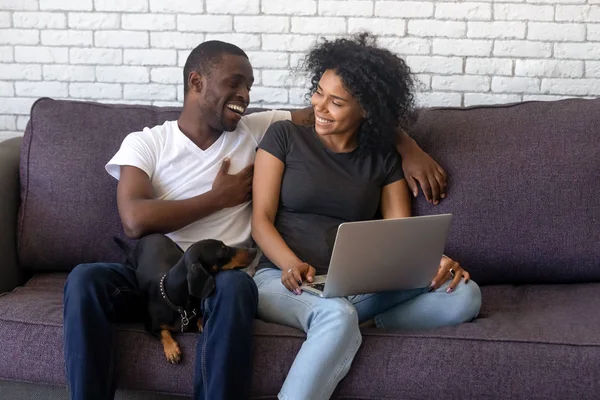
308 180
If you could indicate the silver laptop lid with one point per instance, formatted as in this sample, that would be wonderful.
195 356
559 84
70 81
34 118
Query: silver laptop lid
390 254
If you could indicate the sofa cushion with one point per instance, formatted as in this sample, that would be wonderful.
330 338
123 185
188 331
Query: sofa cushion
68 212
529 342
524 184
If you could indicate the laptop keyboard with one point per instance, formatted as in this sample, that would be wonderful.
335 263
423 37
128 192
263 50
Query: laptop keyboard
318 286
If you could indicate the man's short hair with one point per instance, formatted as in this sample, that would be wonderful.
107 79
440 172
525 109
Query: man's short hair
205 56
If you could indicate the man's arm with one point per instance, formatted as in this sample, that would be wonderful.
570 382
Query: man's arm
419 167
141 214
304 116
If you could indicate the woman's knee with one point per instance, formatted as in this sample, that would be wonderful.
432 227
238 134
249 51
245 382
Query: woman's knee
339 315
466 299
339 323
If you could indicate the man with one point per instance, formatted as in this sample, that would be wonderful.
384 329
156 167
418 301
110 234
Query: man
189 179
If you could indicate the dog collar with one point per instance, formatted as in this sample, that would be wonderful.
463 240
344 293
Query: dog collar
185 319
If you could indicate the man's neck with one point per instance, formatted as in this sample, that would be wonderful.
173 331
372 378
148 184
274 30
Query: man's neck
195 127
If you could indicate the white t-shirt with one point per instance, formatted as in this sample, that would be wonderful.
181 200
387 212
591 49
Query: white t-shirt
178 170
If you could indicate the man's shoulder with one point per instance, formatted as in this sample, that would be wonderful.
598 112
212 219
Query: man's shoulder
166 128
268 114
157 134
286 125
259 121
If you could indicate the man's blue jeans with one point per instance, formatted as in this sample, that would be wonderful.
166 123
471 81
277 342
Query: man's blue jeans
99 295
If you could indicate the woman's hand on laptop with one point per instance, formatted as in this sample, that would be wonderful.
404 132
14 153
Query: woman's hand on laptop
449 269
292 277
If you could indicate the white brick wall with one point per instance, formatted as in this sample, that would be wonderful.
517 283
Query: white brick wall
463 52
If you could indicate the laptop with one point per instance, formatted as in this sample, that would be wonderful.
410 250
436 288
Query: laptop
383 255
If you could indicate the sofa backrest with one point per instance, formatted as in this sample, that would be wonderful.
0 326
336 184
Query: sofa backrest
524 184
524 188
68 212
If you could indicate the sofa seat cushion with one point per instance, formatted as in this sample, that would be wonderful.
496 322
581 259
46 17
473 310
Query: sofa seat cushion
530 342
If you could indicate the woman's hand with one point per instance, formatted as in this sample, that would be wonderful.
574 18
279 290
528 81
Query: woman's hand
449 269
293 276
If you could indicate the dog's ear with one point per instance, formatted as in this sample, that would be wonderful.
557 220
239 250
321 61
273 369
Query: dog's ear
200 282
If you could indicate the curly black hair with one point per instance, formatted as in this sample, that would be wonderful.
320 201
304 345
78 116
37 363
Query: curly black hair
379 79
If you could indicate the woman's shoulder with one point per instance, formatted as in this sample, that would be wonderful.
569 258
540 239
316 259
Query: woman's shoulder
283 137
385 155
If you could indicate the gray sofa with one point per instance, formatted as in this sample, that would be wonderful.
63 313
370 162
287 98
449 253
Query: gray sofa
524 189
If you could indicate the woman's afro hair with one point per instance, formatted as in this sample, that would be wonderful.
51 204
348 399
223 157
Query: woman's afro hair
380 81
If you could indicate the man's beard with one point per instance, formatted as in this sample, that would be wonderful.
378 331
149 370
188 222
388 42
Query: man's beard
215 116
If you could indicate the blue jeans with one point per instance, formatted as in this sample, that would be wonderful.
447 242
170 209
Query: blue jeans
99 295
331 325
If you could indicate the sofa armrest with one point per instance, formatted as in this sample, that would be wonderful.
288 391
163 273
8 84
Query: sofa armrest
11 275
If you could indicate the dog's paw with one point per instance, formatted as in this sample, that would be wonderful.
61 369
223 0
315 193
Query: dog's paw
173 353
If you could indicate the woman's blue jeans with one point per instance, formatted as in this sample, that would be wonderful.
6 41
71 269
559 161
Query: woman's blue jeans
331 325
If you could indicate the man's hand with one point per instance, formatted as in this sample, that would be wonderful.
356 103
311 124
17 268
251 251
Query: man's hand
233 189
420 168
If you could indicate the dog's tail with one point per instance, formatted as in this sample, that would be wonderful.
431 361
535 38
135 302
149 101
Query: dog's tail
128 250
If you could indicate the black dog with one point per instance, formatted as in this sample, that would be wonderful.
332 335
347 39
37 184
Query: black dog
174 283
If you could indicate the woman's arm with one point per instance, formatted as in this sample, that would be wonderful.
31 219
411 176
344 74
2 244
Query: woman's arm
395 200
266 187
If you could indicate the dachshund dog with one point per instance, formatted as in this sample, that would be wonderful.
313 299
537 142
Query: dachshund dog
173 282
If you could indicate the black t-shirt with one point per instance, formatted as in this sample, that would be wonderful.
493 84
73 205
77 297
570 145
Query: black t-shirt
321 189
